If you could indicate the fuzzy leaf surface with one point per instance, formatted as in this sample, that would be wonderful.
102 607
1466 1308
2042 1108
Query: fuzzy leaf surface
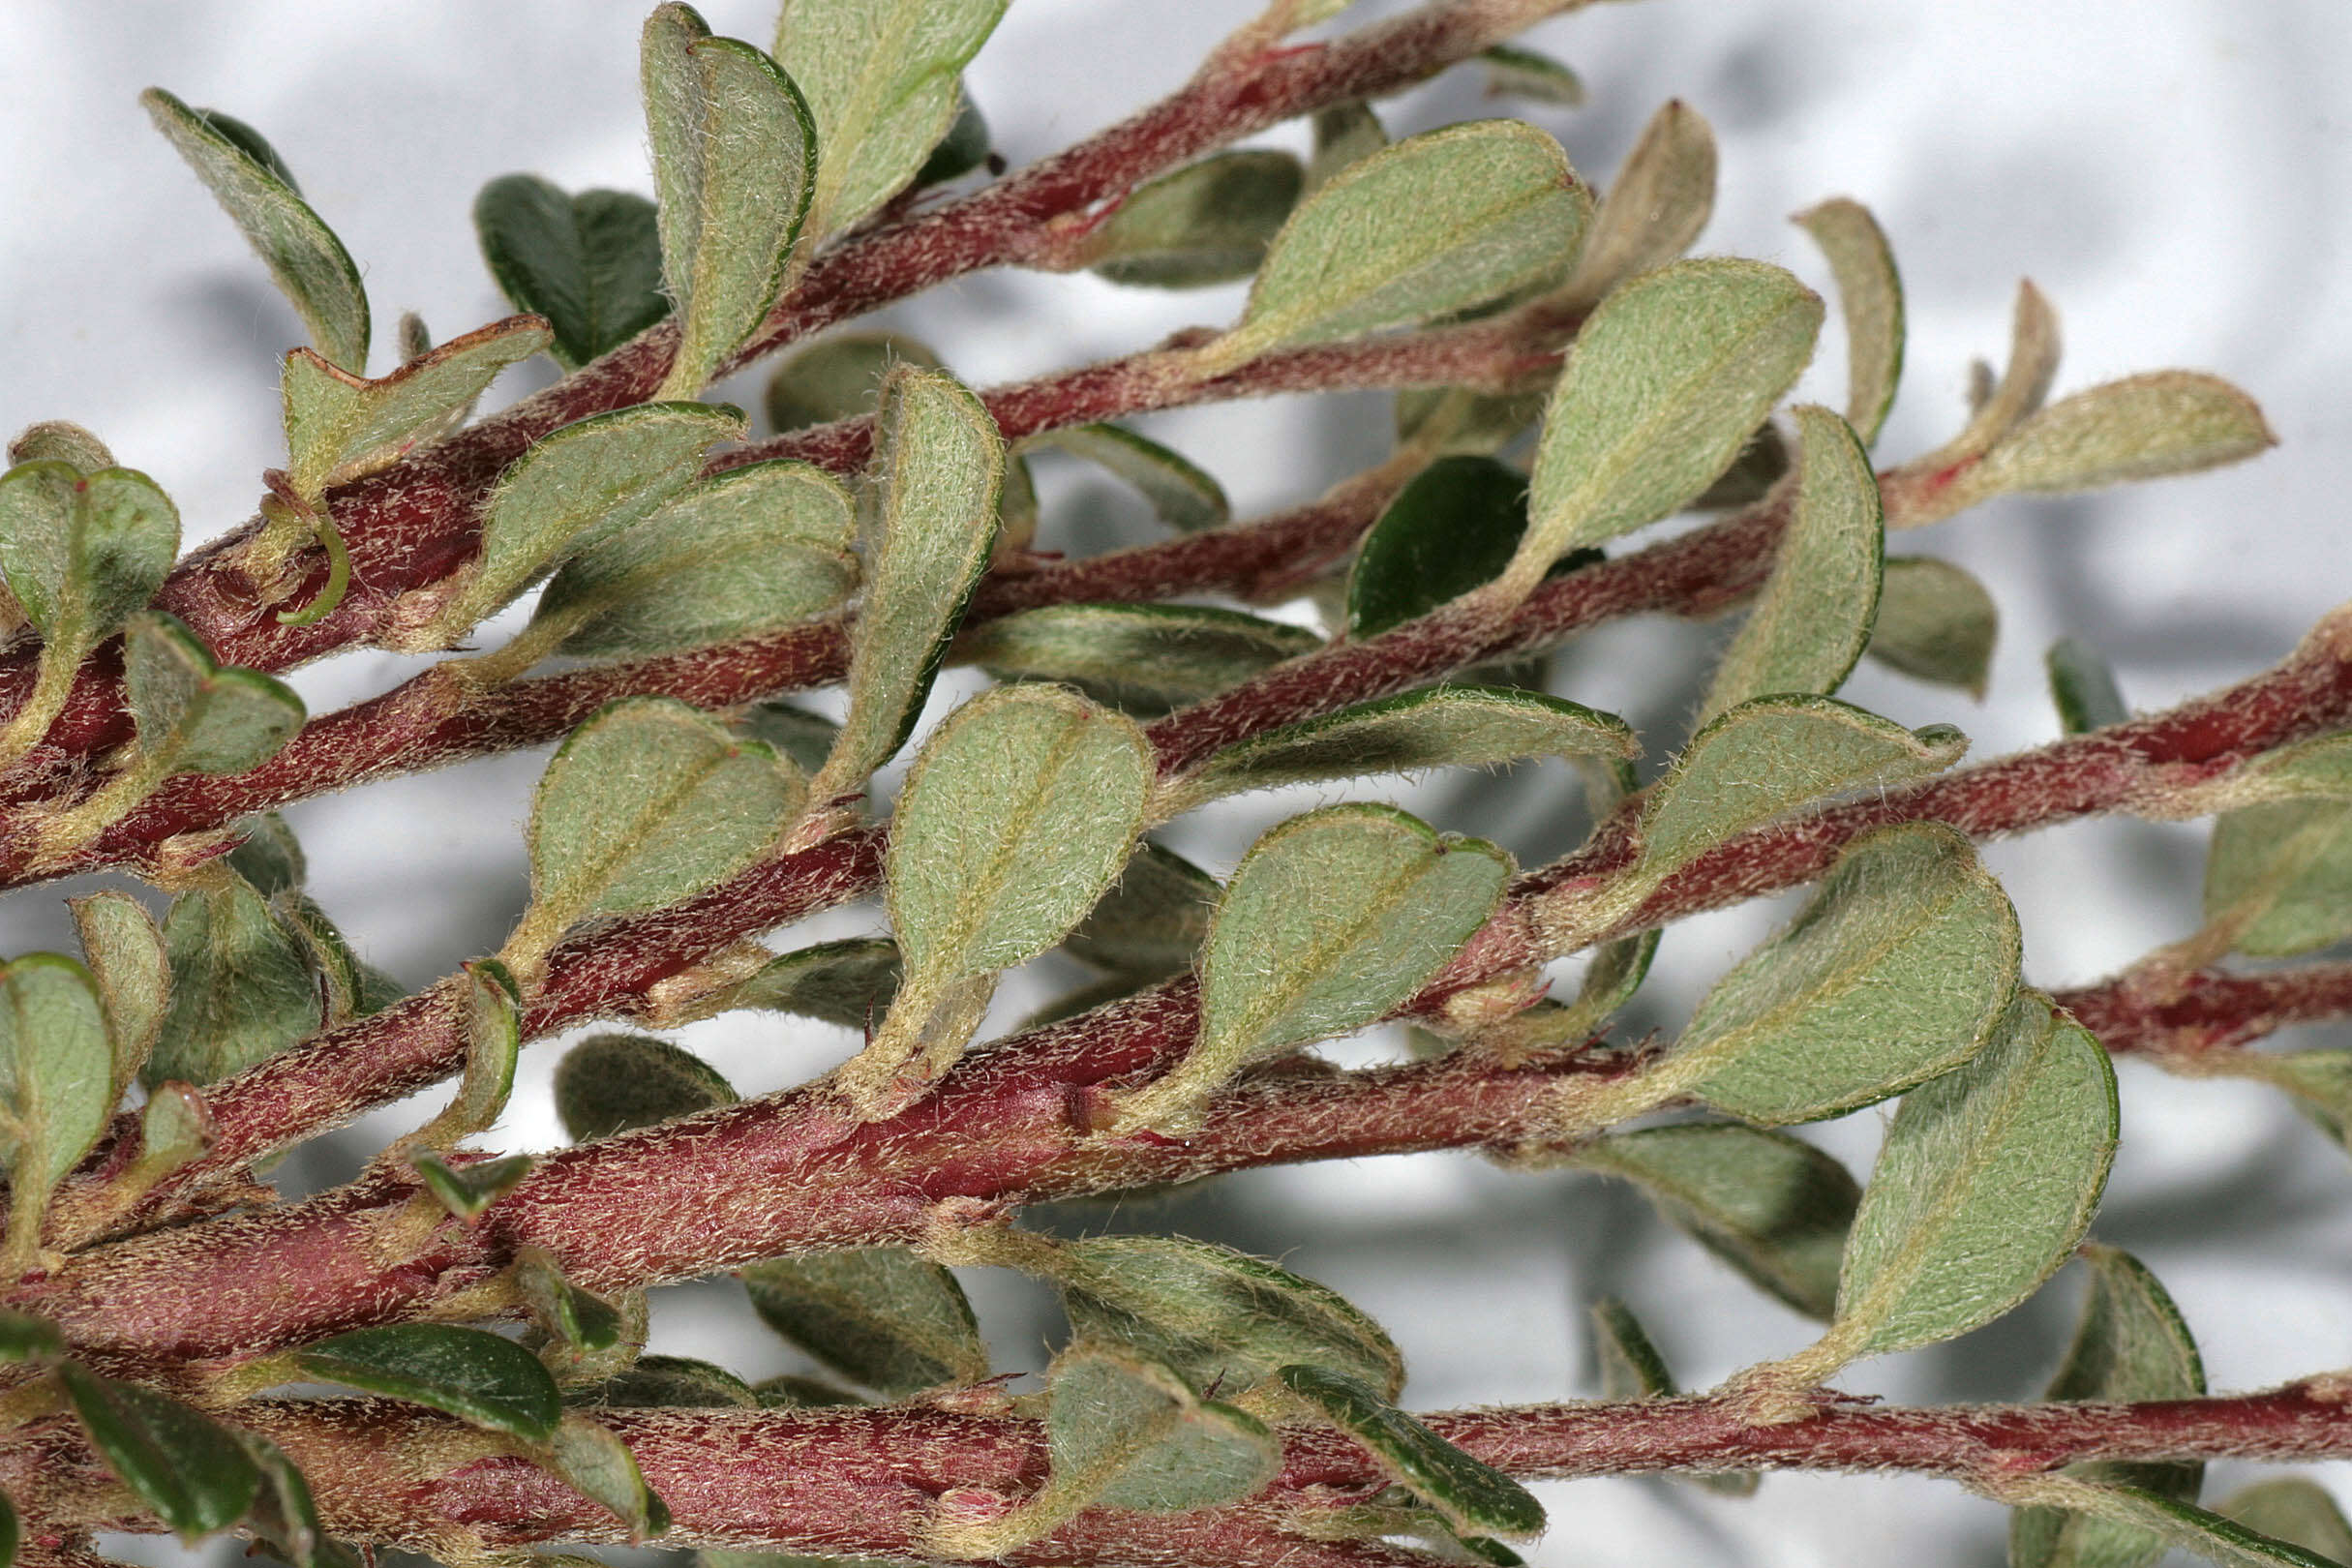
1896 971
1870 299
1936 622
1125 1432
1144 659
1153 920
1207 223
182 1465
471 1373
611 1083
82 552
1665 380
895 1323
1186 497
311 267
1472 1497
1987 1179
241 989
1811 622
56 1071
337 424
735 164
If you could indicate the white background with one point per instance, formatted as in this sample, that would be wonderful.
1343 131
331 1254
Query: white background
2176 174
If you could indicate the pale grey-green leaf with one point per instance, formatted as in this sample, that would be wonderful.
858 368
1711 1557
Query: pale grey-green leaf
1662 197
202 717
1126 1432
1016 817
584 484
1936 622
1771 1205
734 161
1186 497
242 987
1207 223
2174 1522
56 1071
1870 299
1344 134
1331 920
931 496
752 550
1437 223
1769 756
2142 426
2282 876
337 424
82 552
1513 72
2082 687
646 803
2296 1511
1894 973
840 377
132 972
1809 625
881 80
1659 393
310 265
1987 1179
1152 923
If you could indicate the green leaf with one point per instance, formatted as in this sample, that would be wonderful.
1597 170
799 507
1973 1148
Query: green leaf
964 148
1936 623
269 856
1014 819
1146 660
1769 756
580 486
465 1190
882 79
1187 499
186 1467
2082 688
1207 223
847 983
749 551
598 1465
1665 380
2129 1344
2282 876
583 1321
354 988
1452 528
611 1083
1331 920
590 263
1436 223
309 264
1986 1181
81 552
1870 299
1896 971
494 1041
1471 1497
734 164
1153 920
1662 197
26 1338
1434 727
1513 72
2174 1522
647 802
2034 353
1344 134
1459 421
2296 1511
1217 1317
1127 1433
840 377
890 1320
133 972
56 1082
1771 1205
2142 426
475 1375
196 716
670 1382
339 426
60 440
1811 622
242 988
932 495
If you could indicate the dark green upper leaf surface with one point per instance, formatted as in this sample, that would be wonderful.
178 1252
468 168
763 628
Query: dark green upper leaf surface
591 262
1471 1497
181 1464
895 1323
470 1374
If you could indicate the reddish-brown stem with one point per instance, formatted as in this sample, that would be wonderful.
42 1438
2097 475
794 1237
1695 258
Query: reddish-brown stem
2210 1010
872 1481
413 524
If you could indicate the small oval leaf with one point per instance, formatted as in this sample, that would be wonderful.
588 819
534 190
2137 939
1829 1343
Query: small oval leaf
590 263
1472 1497
1147 660
475 1375
1207 223
611 1083
1870 299
183 1465
1936 623
881 1315
1662 197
